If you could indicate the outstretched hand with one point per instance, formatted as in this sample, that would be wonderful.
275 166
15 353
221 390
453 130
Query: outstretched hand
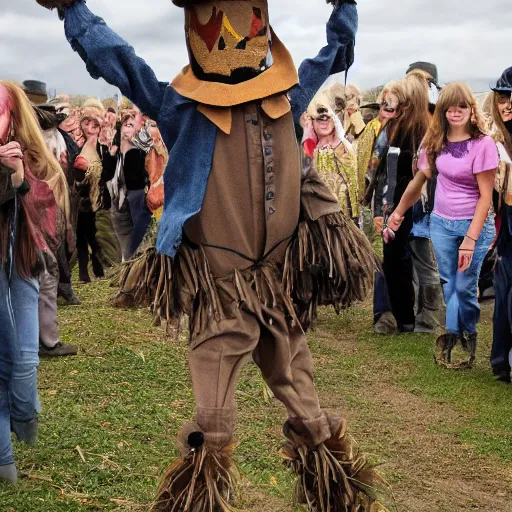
55 4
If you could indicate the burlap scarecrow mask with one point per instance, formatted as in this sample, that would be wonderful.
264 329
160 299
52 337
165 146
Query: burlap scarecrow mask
228 41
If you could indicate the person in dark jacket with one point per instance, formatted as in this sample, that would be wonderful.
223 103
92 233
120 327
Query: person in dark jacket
394 173
127 180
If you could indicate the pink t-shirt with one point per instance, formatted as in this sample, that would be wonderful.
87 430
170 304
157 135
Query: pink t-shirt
457 190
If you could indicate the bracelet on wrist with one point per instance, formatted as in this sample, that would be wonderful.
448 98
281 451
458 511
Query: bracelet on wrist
471 238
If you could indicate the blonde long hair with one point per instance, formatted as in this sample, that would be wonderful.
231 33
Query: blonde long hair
413 116
453 95
41 162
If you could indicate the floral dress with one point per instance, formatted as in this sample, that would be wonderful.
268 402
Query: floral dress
338 168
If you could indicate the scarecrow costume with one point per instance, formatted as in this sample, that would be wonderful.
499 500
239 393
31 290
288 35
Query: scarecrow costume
247 247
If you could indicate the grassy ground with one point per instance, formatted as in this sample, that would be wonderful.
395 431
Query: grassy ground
110 414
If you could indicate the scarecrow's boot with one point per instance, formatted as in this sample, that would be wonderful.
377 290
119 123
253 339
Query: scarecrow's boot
204 478
332 476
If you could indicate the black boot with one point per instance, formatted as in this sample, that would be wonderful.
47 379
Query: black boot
503 374
65 290
83 273
97 267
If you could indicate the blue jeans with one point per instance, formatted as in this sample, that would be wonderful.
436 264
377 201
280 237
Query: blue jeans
460 288
19 345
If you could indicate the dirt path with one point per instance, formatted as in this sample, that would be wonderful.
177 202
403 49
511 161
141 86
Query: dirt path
429 471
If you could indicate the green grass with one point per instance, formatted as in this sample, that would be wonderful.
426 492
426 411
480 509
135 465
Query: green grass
119 405
484 405
110 415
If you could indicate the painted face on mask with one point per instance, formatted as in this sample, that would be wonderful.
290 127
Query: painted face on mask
228 42
128 130
388 106
90 127
323 123
5 115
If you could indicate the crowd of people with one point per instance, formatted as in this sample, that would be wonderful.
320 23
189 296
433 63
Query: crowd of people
430 166
257 231
61 165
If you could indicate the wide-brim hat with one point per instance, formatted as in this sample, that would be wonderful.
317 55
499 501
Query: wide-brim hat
427 67
36 91
504 83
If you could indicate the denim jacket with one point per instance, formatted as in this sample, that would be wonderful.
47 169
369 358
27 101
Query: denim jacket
188 134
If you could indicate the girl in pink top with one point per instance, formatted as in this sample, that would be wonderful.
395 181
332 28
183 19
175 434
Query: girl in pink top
462 158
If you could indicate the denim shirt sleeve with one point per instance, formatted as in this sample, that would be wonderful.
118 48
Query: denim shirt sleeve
336 57
108 56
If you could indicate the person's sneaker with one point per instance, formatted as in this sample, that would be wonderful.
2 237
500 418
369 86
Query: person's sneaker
59 350
386 324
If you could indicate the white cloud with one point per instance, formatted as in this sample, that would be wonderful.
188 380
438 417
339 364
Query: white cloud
467 40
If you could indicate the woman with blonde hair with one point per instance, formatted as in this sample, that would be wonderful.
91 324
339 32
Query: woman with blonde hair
390 172
459 154
30 182
331 154
88 174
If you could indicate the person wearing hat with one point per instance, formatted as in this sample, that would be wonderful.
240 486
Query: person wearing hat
58 272
429 300
501 113
35 91
229 238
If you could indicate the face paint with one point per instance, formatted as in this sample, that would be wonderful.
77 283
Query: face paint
228 42
323 123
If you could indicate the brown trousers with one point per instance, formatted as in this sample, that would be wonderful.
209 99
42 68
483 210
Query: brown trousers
281 353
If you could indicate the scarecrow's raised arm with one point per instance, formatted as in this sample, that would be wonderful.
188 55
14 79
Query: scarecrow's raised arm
108 56
336 57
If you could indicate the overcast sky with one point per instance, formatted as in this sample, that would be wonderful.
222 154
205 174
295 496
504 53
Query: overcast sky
469 40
